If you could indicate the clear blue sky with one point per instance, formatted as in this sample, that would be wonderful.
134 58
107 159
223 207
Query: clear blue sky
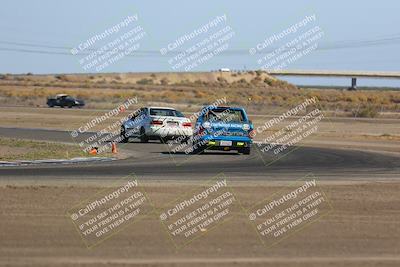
29 27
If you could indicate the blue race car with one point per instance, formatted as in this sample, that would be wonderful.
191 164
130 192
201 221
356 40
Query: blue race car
222 128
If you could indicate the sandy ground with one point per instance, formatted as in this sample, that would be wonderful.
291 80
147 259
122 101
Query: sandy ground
362 229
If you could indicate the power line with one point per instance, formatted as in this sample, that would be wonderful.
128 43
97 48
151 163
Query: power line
388 40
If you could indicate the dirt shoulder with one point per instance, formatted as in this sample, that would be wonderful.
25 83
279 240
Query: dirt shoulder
19 149
361 230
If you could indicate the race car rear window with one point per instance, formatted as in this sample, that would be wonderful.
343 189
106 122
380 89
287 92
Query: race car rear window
165 112
225 115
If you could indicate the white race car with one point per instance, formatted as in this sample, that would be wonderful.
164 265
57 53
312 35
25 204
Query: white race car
160 123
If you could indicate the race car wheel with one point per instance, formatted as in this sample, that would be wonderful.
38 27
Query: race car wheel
245 151
143 136
198 149
163 140
186 140
124 138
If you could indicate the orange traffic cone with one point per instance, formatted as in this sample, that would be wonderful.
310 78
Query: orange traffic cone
114 148
93 151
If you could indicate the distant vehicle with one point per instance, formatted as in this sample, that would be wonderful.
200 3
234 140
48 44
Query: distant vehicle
223 128
63 100
159 123
224 70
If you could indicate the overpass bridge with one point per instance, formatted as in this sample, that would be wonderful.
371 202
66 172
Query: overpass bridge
340 74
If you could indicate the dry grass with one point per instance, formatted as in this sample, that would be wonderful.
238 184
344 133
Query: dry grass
251 89
19 149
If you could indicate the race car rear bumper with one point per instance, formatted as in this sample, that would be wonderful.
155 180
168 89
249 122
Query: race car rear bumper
156 131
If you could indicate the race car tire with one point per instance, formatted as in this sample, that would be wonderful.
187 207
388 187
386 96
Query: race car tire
186 140
143 136
198 149
245 151
124 138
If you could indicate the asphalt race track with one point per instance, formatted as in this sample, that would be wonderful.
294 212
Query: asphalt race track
153 161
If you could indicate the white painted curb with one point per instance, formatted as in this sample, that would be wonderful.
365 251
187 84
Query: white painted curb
53 161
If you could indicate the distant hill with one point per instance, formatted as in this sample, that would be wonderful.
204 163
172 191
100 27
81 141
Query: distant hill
259 78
